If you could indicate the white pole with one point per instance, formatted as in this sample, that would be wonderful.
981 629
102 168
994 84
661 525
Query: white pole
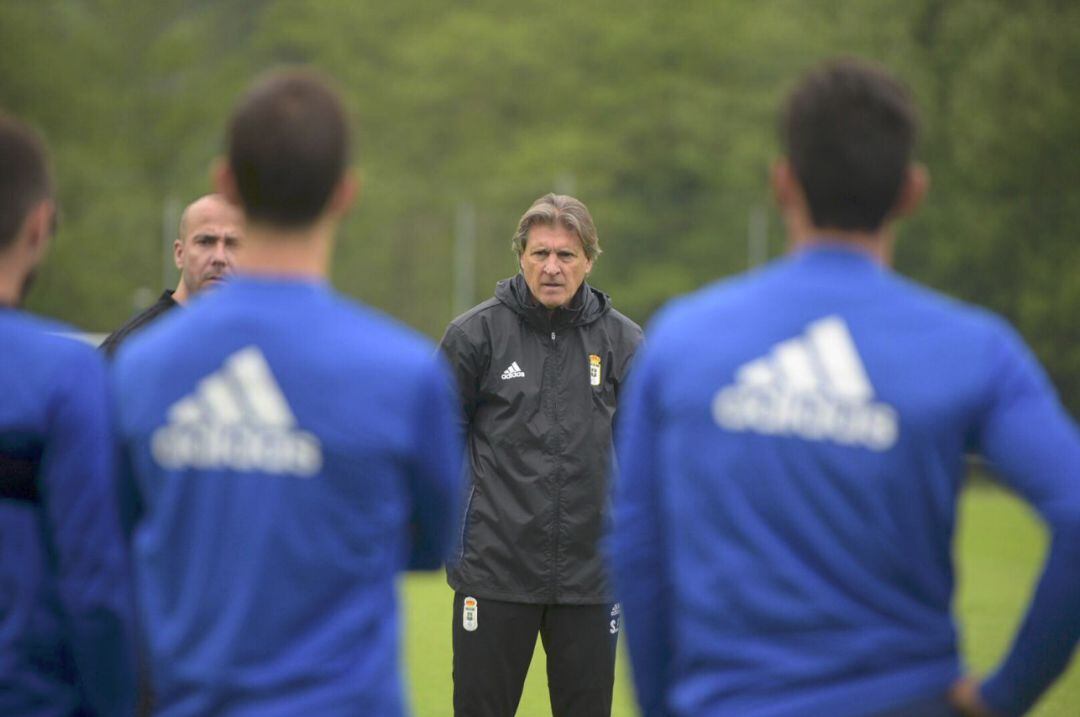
464 257
170 221
565 183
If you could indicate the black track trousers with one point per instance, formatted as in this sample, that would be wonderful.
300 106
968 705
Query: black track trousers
491 660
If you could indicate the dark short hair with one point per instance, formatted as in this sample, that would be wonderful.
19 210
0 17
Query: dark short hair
288 146
24 175
849 130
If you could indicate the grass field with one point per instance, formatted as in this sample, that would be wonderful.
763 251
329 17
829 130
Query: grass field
999 544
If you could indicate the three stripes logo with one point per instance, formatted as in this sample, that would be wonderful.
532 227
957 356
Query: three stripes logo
513 371
813 387
237 419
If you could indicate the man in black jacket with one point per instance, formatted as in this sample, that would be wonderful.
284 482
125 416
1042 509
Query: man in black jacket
539 367
211 230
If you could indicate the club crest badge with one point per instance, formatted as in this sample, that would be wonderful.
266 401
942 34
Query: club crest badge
594 369
469 615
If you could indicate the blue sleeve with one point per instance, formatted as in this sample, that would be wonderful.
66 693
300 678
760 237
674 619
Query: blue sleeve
128 496
635 546
78 474
1035 447
436 472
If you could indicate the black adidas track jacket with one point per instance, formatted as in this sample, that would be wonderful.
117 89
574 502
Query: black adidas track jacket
539 391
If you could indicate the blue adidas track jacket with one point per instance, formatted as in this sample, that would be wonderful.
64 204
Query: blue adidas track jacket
791 447
292 452
66 637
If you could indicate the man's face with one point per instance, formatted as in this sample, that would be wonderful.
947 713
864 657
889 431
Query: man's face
554 265
205 254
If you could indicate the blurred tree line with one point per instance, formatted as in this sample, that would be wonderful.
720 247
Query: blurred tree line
660 116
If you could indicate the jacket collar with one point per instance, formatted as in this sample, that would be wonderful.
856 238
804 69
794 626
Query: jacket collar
587 306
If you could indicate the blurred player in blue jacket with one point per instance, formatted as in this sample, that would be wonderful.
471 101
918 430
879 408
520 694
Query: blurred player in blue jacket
792 447
292 451
66 642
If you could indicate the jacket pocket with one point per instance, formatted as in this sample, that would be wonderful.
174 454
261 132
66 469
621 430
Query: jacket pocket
465 521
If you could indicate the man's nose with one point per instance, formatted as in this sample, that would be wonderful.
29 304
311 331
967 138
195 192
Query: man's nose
551 266
220 255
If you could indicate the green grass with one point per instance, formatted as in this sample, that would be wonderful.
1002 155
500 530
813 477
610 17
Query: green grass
1000 547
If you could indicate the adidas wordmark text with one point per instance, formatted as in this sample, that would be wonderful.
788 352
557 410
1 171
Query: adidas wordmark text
813 387
513 371
237 419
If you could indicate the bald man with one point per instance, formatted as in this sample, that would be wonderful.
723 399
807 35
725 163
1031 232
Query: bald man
211 230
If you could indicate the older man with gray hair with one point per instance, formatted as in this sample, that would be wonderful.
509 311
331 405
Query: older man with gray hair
539 367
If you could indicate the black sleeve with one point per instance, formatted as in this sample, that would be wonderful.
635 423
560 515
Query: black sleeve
466 361
110 344
631 340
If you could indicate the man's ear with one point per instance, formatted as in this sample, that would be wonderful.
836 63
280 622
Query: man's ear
224 181
37 228
345 193
785 185
790 196
178 253
912 191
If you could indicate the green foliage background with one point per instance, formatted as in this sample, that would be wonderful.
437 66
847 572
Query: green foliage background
661 116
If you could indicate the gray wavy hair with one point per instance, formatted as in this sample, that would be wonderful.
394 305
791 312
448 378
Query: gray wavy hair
559 210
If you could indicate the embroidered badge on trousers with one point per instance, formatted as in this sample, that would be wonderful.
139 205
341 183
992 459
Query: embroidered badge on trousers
468 615
616 613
